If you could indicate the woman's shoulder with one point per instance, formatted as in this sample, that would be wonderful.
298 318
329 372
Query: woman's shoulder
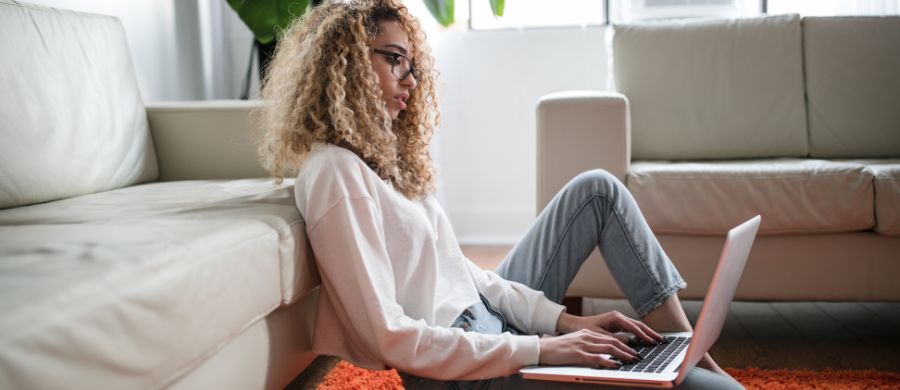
331 153
330 160
334 170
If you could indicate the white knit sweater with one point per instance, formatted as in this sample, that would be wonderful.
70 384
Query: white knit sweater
394 279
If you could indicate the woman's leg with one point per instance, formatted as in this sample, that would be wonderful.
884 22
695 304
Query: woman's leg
595 209
698 379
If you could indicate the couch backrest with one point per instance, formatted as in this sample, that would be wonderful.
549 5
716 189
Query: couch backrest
712 89
853 86
72 121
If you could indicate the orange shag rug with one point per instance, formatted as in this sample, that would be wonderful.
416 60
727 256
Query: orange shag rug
346 376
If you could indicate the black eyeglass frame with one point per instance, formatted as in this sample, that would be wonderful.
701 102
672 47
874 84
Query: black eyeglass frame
416 72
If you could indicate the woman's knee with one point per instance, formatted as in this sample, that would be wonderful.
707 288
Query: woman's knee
597 180
700 379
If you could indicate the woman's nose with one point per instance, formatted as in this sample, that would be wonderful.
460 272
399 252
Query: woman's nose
409 82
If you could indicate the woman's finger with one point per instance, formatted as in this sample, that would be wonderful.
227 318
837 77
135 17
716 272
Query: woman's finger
644 331
634 327
639 329
614 351
611 346
628 340
596 360
651 332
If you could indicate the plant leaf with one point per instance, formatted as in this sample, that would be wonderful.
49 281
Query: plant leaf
288 11
442 10
260 16
266 18
234 4
497 7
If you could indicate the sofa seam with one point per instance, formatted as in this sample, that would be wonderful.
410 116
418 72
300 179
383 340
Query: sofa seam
129 278
154 214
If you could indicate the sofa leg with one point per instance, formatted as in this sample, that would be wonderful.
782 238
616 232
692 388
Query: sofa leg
573 305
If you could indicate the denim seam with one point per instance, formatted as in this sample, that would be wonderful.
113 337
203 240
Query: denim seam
660 299
656 282
591 198
559 244
662 295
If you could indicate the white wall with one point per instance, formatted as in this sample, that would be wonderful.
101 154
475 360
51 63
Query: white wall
182 49
487 150
162 35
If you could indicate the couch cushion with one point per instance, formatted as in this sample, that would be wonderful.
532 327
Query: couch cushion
853 86
132 288
792 195
71 116
887 194
713 89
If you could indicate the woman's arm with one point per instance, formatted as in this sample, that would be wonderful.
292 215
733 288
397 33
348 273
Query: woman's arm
523 307
358 281
585 337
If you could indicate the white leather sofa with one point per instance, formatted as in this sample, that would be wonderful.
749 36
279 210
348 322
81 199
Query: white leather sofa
140 247
715 121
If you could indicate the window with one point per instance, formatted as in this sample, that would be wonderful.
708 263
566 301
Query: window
538 13
626 11
833 7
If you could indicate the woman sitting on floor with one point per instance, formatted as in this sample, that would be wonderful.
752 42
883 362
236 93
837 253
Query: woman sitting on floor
350 103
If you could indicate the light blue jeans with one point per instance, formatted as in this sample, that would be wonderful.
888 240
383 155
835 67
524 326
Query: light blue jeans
594 209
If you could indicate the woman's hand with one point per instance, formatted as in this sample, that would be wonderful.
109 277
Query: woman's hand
608 324
583 348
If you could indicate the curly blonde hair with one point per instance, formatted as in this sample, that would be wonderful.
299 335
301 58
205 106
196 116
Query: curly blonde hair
320 86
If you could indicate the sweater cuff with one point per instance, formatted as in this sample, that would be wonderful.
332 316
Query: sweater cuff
527 352
545 317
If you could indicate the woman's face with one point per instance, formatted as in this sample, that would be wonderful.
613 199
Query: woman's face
394 92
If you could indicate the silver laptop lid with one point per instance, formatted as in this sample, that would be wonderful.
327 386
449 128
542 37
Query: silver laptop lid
721 291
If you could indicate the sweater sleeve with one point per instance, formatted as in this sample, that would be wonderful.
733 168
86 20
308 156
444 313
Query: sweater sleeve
349 245
523 307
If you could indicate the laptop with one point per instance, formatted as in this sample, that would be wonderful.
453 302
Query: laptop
666 365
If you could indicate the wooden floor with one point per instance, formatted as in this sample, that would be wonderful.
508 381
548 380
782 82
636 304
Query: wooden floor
769 335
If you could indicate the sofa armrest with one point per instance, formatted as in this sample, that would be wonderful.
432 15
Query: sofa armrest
578 131
204 140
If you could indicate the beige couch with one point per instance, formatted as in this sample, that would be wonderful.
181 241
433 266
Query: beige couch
140 247
716 121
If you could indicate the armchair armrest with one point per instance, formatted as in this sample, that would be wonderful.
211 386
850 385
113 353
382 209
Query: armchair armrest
204 140
578 131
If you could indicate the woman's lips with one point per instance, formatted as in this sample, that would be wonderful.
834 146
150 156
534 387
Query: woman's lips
400 103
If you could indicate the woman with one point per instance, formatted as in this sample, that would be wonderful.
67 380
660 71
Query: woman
349 101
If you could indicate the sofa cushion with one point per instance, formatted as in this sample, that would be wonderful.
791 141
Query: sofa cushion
71 116
134 287
792 195
853 86
713 89
887 194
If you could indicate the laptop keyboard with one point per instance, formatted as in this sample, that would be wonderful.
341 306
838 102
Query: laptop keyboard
656 358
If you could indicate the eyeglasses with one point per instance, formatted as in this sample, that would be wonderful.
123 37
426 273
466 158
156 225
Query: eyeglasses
401 66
